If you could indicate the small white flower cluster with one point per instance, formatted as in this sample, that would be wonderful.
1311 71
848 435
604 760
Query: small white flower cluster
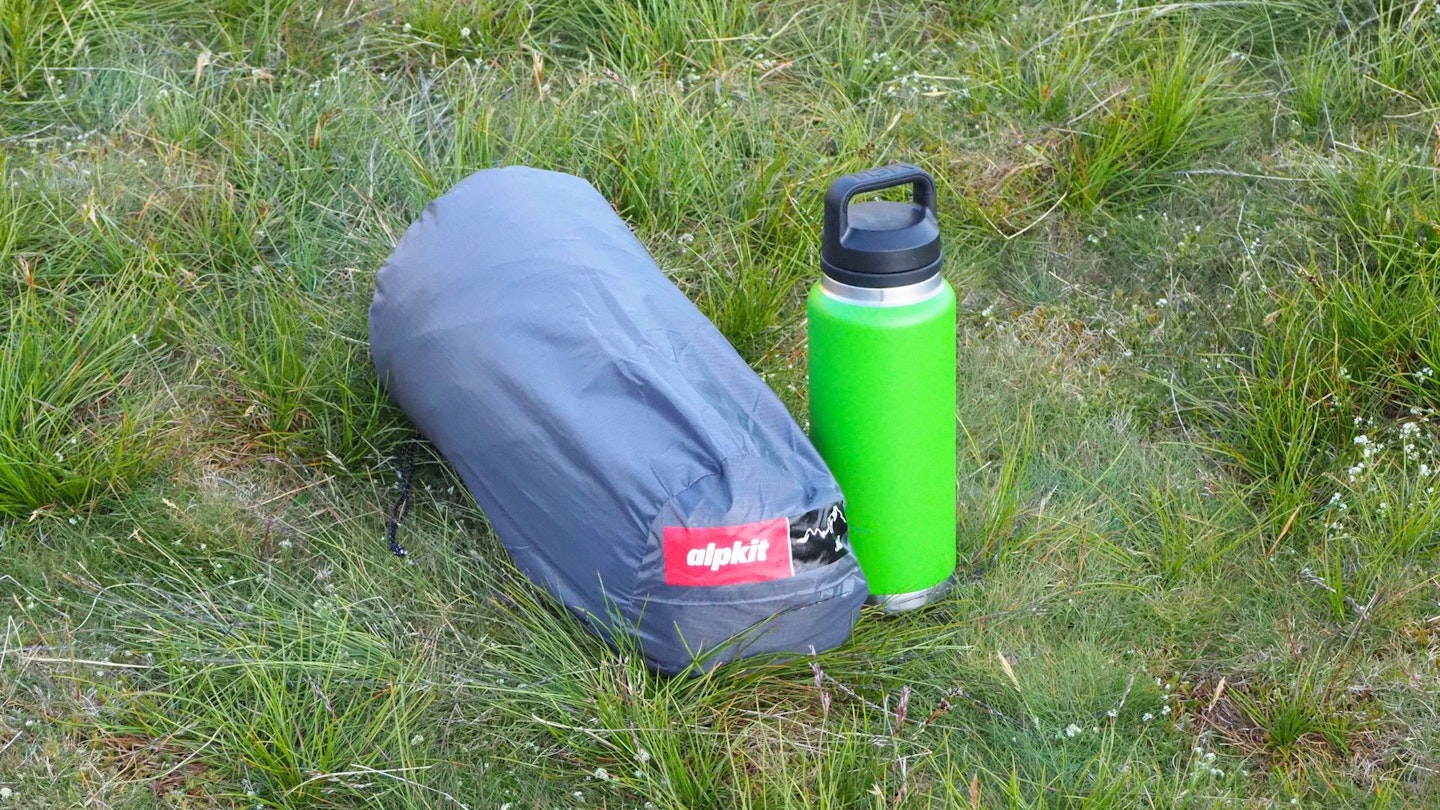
1368 450
882 59
1378 488
688 80
1204 765
915 84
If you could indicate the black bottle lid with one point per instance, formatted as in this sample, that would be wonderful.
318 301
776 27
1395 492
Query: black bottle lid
881 244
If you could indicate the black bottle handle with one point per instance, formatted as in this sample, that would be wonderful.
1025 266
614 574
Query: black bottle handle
837 197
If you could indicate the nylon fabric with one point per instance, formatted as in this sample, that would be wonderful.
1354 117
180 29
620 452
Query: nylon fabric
587 404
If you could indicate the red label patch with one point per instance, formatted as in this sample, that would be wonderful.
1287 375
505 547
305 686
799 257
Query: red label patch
728 555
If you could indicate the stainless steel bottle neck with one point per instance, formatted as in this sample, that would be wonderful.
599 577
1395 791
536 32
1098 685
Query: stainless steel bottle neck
883 296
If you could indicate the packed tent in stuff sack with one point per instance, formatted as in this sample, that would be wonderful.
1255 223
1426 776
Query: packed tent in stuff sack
629 460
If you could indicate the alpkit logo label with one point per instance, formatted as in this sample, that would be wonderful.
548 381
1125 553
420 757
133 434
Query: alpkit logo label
728 555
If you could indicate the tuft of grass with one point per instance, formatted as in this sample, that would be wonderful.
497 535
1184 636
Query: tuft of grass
1296 722
77 419
1281 411
667 37
1053 78
1401 52
266 32
293 382
1004 508
452 29
1184 535
847 47
1386 207
1123 144
30 32
293 706
1327 92
749 292
1098 785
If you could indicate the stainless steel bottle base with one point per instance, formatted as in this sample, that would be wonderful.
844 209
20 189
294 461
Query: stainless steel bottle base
902 602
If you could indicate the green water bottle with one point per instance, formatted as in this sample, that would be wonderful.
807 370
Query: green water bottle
882 382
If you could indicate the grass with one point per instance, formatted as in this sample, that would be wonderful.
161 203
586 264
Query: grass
88 424
1195 247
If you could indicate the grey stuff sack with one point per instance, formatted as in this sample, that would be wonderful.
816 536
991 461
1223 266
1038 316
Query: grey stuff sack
630 461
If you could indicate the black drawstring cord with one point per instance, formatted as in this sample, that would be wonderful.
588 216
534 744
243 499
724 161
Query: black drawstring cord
402 504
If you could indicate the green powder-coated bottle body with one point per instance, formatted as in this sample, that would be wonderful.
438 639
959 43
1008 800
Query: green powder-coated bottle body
882 413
